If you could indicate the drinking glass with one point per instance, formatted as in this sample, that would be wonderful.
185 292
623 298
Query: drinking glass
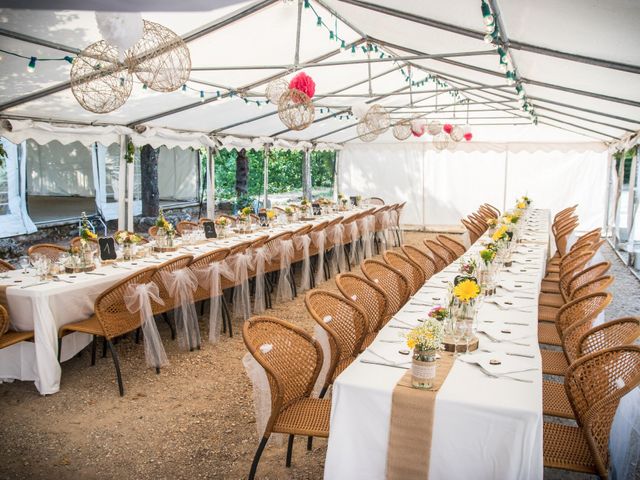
24 263
459 328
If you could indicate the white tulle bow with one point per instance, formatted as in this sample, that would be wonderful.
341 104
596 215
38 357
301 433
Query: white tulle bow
211 277
181 284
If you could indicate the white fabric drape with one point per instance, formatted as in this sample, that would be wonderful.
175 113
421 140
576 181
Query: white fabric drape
211 277
16 220
240 264
260 259
285 252
338 258
180 285
303 242
137 298
178 174
319 240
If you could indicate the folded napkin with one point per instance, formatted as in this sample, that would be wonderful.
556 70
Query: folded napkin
510 303
502 363
500 333
386 353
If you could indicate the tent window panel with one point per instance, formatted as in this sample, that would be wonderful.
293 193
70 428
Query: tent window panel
322 173
4 189
178 174
225 171
285 175
54 169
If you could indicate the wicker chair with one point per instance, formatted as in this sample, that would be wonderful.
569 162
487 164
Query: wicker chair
549 303
562 235
440 255
184 226
394 284
203 293
373 201
48 250
492 209
111 319
569 269
292 367
346 325
170 303
455 248
474 232
479 220
10 337
408 268
588 238
422 259
76 242
582 340
6 266
594 384
587 307
370 298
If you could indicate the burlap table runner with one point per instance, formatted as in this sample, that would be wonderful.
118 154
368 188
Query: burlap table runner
410 432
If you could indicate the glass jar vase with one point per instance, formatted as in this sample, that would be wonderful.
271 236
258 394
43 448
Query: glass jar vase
423 368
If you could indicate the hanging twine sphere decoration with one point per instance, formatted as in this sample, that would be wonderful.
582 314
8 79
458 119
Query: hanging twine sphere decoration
441 141
296 109
161 59
434 127
452 146
365 134
402 130
457 133
275 90
377 119
98 81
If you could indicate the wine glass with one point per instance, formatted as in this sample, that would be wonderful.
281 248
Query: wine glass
457 334
469 330
24 263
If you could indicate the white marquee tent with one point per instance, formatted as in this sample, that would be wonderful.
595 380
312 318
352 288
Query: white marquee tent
581 77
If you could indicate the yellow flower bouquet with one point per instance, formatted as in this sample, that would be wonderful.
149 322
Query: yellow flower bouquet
466 290
426 337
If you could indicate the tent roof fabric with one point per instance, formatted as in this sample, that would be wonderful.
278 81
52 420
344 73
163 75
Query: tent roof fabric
578 61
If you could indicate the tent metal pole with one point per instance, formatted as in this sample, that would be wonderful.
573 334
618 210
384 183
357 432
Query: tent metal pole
607 212
296 57
306 175
586 110
480 35
122 185
618 127
38 41
337 179
577 126
415 92
211 182
130 200
631 200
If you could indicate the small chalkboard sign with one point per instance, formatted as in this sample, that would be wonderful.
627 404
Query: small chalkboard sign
263 219
354 201
317 209
209 230
107 248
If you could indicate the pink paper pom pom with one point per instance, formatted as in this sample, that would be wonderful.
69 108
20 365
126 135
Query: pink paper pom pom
447 127
303 83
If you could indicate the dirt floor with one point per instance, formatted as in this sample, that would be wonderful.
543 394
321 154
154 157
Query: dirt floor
194 420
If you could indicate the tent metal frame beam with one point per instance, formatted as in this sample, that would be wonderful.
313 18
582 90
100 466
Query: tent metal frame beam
414 92
516 45
582 109
38 41
189 37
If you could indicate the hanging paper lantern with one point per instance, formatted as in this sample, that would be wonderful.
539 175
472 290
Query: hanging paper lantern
402 130
440 141
360 109
418 126
98 81
365 134
377 119
457 134
447 127
275 89
161 59
434 128
452 146
296 110
303 83
120 29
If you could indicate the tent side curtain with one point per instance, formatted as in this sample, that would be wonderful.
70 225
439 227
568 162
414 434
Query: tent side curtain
178 174
14 219
437 194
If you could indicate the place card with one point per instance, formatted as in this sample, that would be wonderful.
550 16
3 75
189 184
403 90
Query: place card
209 230
317 209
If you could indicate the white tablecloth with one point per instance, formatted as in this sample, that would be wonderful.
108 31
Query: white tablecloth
484 428
45 308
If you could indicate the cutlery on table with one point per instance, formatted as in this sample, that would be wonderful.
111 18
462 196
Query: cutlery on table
502 375
95 273
121 266
497 340
404 367
56 278
33 284
513 354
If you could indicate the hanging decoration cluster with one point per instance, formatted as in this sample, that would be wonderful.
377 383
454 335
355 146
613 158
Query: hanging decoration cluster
372 121
102 74
494 38
295 108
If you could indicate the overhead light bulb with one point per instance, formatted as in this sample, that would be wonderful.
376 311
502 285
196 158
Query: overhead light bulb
31 67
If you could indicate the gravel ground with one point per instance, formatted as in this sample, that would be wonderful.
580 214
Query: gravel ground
194 420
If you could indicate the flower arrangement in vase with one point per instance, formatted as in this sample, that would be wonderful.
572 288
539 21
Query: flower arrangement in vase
425 340
86 235
166 231
439 313
464 306
289 211
469 267
127 240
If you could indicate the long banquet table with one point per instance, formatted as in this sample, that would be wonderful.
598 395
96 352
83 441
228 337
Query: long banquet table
45 308
484 428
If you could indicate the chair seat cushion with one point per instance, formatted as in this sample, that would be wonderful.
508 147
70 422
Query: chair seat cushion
548 334
551 300
305 416
12 337
555 401
554 362
566 447
547 314
91 326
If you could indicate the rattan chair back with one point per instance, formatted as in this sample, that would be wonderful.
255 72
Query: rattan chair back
49 250
590 237
599 284
273 249
4 321
201 262
290 357
587 307
422 259
374 201
345 323
368 296
474 231
595 383
172 265
76 242
185 225
440 255
6 266
455 247
394 284
586 275
110 308
565 212
494 210
569 269
621 331
408 268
